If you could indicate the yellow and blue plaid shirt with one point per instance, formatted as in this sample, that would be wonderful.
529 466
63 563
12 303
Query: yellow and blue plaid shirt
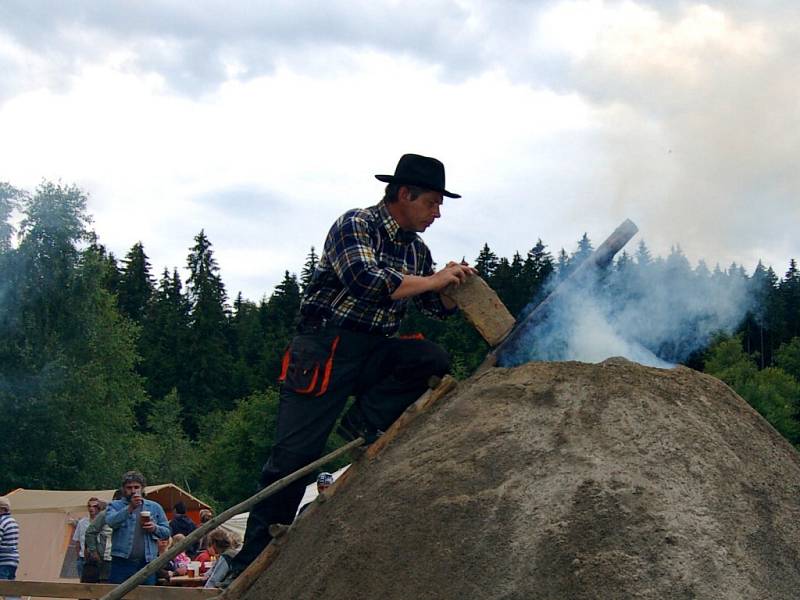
363 262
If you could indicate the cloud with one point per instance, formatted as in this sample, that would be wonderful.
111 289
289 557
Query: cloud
553 118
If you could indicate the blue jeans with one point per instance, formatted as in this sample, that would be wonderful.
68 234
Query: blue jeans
9 573
122 569
79 566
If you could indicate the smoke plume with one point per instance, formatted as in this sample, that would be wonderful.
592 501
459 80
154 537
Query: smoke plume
656 314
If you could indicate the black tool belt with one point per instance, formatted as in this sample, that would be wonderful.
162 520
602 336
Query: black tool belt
312 324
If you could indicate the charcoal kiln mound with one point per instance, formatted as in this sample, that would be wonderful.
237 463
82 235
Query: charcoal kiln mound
562 481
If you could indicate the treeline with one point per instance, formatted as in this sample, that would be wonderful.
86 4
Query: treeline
106 366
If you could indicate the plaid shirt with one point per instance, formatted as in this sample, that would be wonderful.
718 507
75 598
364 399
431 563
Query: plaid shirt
365 257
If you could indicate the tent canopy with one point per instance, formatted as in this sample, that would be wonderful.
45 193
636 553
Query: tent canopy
47 521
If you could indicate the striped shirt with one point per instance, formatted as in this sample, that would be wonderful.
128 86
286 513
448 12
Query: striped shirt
9 541
363 262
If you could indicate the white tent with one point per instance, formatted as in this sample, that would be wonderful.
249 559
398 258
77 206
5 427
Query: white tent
237 525
47 521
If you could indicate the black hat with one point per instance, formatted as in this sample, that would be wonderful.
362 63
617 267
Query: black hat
422 171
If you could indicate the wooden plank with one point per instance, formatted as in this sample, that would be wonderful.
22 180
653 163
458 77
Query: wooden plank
446 385
250 575
483 308
89 591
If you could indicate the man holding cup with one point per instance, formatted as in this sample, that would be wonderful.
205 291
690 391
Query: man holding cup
138 524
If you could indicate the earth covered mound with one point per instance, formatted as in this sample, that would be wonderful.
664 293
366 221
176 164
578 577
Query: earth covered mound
562 481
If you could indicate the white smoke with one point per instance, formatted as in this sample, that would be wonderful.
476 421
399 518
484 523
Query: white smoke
656 314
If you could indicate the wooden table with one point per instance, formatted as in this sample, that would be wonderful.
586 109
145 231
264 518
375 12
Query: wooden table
186 581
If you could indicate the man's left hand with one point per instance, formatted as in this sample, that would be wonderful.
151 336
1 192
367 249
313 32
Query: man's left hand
149 526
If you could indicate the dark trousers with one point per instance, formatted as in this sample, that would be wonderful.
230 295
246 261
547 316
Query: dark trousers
322 369
122 569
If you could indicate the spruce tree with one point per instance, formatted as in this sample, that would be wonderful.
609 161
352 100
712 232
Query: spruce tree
308 270
643 256
136 284
486 263
9 198
208 359
165 335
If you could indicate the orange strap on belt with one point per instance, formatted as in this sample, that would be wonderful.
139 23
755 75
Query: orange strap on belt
412 336
328 368
284 365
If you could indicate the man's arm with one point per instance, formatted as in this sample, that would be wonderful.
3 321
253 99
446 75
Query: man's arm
116 514
414 285
349 247
162 529
90 537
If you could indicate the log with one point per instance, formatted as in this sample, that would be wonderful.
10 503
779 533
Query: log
482 307
599 259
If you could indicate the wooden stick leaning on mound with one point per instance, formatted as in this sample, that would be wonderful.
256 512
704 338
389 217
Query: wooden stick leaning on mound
152 567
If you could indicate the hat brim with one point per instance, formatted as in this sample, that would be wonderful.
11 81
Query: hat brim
393 179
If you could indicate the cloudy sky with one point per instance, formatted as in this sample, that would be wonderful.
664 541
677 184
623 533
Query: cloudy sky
262 122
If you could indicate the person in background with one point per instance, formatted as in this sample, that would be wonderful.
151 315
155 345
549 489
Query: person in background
9 543
218 543
98 543
173 567
182 524
80 531
205 516
222 548
138 524
182 559
324 481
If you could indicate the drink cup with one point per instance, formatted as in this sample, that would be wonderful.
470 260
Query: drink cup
194 569
145 516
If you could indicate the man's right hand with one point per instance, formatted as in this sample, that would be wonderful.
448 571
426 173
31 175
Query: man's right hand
453 273
136 502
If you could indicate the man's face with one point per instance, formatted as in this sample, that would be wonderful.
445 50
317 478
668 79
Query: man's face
93 509
321 487
131 488
417 215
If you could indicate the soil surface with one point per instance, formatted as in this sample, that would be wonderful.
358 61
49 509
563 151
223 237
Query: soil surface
561 481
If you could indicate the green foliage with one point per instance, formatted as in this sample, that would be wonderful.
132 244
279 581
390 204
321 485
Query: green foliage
208 359
236 445
788 358
136 284
165 452
774 393
9 200
67 358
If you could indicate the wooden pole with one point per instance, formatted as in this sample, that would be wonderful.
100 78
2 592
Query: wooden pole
153 566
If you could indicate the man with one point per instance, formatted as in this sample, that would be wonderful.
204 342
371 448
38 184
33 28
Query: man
98 544
372 264
9 543
138 524
80 533
183 524
324 481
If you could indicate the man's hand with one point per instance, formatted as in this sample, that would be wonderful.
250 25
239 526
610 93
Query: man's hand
149 526
136 502
455 273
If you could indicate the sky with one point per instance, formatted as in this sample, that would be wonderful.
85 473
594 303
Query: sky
262 122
